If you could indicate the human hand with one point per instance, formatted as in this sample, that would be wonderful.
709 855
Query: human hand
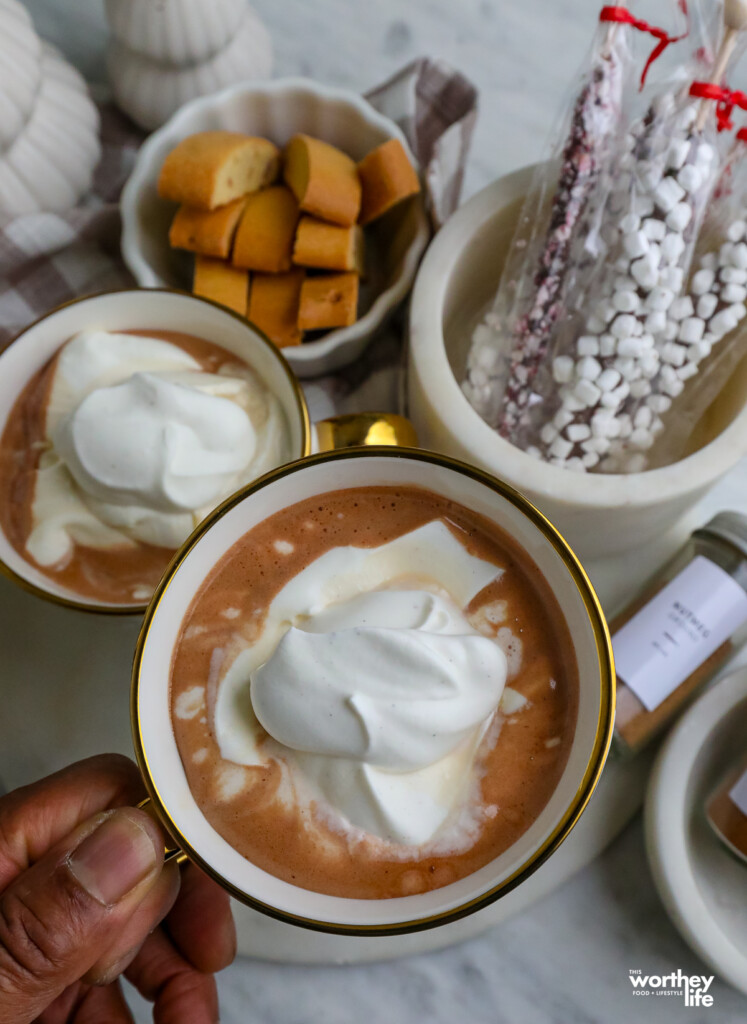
83 888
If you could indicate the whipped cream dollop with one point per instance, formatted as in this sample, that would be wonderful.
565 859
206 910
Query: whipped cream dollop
143 443
396 679
374 688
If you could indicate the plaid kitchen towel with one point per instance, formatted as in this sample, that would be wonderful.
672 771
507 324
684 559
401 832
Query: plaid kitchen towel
48 258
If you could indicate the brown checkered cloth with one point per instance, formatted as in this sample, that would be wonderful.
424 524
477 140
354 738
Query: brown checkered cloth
49 258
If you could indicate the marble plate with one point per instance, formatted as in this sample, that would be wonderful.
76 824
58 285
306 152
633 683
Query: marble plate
703 886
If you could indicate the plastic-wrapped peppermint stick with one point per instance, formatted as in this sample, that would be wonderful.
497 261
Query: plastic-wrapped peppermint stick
665 182
703 347
512 340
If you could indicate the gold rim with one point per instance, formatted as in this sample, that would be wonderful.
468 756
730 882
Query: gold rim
605 720
303 412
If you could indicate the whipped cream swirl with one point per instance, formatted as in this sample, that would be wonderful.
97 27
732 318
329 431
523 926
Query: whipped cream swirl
143 443
374 688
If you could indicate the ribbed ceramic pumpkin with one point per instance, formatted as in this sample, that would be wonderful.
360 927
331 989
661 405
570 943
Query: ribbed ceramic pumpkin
177 32
20 69
50 163
150 91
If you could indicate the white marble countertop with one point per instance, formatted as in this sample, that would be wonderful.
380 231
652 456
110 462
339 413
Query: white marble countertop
567 958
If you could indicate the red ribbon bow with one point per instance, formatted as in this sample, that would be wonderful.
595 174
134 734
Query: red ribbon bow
622 16
725 99
742 135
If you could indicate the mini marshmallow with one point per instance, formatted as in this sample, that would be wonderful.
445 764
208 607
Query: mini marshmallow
623 283
634 347
578 432
659 299
590 459
625 424
722 323
681 308
562 369
667 194
599 445
672 247
677 153
733 275
707 306
587 392
739 256
641 438
702 282
672 278
626 301
608 379
623 326
588 368
690 177
643 205
626 367
679 217
692 329
548 433
645 272
725 253
671 330
635 244
562 418
687 371
658 403
643 417
607 345
587 345
736 231
674 388
656 322
733 293
673 353
573 404
575 465
640 388
649 174
610 401
705 152
653 229
631 222
739 310
649 364
699 351
560 448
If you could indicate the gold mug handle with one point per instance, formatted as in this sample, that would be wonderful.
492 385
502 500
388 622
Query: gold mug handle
365 428
170 850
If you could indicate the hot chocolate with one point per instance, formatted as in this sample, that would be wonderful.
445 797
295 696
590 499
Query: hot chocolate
374 693
120 445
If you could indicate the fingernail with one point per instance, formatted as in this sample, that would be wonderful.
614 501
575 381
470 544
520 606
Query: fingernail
114 858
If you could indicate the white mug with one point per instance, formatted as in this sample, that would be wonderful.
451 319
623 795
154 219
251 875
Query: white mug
169 309
155 744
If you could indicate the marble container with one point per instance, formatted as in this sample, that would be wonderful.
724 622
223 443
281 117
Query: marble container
598 514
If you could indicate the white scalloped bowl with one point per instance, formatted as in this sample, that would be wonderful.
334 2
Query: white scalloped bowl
277 110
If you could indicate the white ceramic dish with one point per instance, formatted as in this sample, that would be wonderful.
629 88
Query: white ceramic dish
703 887
597 514
277 110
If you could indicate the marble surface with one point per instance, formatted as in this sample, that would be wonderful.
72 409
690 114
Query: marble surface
567 958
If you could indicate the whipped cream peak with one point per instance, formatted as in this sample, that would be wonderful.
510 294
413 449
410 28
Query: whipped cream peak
143 443
156 440
395 679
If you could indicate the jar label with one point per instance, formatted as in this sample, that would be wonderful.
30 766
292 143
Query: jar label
738 794
689 619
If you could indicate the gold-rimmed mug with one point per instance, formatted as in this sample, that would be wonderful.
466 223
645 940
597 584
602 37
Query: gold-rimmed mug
155 744
169 309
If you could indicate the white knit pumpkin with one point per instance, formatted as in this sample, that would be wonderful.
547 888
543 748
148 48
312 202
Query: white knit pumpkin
151 90
49 144
175 31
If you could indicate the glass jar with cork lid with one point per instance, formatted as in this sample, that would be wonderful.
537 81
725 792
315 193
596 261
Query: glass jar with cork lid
687 623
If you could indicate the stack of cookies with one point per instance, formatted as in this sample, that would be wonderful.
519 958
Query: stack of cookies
278 237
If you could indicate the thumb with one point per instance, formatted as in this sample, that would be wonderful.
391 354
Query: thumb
58 916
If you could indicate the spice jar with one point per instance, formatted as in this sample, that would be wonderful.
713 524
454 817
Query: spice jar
688 622
726 810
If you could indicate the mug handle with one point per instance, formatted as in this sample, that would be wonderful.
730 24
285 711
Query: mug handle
363 428
170 850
